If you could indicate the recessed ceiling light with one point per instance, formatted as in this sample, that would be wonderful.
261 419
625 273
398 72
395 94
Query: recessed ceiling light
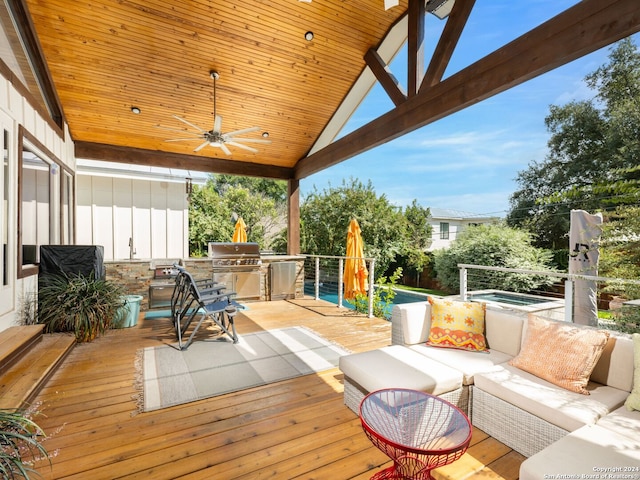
265 134
135 110
308 36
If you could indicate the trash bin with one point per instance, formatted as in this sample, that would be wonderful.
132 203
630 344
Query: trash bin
128 314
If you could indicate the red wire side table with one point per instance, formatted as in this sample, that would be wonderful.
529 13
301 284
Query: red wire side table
418 431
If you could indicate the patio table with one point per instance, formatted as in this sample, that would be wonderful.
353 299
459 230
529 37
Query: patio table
418 431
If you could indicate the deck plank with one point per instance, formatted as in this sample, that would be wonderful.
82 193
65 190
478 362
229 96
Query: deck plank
297 428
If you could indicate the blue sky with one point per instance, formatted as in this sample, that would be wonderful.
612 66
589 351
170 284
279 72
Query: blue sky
468 161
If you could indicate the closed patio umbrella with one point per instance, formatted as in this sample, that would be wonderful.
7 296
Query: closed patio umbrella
355 268
240 232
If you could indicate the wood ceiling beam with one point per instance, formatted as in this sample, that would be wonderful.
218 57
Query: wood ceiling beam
587 26
387 80
447 43
415 46
155 158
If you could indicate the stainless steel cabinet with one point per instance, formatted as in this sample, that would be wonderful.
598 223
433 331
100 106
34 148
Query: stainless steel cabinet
246 284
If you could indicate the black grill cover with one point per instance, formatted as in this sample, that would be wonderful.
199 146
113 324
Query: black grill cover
71 260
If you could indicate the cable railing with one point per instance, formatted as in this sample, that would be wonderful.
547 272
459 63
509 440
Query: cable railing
560 289
324 278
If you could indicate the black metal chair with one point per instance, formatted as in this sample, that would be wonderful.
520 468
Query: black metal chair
204 299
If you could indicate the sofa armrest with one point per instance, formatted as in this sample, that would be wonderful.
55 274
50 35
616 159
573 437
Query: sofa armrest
410 323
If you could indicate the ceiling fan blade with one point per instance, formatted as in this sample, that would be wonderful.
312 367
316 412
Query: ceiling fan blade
240 145
240 132
201 146
251 140
190 124
217 124
225 149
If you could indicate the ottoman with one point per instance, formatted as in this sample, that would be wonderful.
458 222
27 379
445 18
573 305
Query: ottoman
398 366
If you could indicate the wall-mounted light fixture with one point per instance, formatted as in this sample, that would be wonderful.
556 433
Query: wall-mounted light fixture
135 110
440 8
188 187
308 36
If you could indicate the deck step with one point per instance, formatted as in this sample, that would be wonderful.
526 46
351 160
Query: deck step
16 340
21 382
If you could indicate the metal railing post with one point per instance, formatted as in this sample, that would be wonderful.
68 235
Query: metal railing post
372 265
463 284
340 281
317 282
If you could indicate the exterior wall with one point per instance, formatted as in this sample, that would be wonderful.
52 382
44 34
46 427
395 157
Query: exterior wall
16 111
456 227
112 211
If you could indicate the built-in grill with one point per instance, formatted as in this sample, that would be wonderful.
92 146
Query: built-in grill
235 254
161 288
238 267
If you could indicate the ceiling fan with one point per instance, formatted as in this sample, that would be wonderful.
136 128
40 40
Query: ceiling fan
215 137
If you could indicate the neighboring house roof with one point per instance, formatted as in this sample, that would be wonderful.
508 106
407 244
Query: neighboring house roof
450 214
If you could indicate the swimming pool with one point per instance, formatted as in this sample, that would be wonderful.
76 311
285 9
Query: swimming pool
519 301
329 293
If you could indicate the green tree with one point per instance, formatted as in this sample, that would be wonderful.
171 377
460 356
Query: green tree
593 149
494 246
325 217
415 256
213 210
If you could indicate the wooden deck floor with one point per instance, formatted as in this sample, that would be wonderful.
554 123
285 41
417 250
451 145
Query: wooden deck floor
297 428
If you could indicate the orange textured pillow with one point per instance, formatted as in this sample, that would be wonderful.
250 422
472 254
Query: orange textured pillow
560 353
457 325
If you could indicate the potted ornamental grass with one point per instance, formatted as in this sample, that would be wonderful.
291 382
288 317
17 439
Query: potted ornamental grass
84 305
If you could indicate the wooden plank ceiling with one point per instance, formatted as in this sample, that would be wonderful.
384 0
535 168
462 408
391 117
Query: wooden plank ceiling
106 56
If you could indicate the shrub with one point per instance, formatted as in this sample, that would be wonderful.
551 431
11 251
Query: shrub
86 306
383 296
494 246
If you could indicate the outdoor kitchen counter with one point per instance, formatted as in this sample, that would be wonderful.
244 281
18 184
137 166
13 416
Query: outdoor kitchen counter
136 275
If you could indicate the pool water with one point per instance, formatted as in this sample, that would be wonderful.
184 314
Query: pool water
329 294
509 298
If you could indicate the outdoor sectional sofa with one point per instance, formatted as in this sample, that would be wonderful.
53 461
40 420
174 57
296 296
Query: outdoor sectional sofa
563 432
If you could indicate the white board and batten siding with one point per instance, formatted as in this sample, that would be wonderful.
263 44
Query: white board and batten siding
113 210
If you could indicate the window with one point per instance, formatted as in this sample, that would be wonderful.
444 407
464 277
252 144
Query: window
444 230
4 227
39 174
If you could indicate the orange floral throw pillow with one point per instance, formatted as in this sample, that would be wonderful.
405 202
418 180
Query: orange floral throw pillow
457 324
560 352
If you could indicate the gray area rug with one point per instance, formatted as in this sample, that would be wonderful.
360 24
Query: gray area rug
170 377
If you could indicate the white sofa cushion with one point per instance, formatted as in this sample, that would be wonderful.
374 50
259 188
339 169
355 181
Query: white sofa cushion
410 323
567 410
624 422
585 453
615 366
399 366
468 363
504 330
